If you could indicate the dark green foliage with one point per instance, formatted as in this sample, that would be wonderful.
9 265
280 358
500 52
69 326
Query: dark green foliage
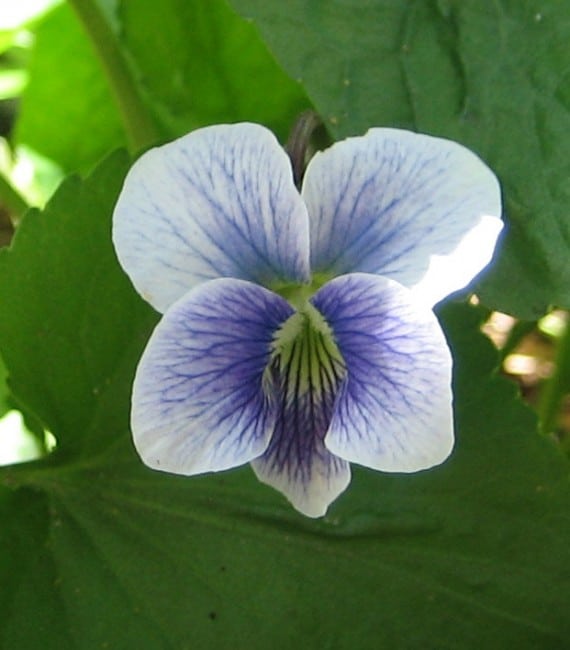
97 551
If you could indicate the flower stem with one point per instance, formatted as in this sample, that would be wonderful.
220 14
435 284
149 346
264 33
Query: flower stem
298 144
557 386
139 126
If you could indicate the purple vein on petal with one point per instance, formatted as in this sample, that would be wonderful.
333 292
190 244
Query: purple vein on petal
198 401
304 378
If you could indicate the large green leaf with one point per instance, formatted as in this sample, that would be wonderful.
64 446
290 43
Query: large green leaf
68 113
195 63
198 63
4 390
473 554
492 74
69 318
25 521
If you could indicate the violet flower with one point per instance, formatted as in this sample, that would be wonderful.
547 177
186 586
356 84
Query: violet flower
297 331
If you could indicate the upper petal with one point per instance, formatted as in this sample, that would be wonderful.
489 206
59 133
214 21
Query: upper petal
198 403
394 409
422 210
219 202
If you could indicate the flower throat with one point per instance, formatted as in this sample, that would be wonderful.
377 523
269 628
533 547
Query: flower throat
302 380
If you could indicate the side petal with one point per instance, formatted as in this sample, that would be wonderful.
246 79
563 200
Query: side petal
219 202
421 210
198 403
394 410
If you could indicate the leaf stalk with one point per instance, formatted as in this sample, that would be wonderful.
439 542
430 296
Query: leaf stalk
139 125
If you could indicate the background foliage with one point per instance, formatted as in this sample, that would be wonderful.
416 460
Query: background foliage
97 551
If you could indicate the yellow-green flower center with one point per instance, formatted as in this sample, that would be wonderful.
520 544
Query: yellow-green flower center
305 349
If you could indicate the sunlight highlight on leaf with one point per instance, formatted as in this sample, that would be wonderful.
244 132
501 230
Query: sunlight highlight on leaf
17 444
15 14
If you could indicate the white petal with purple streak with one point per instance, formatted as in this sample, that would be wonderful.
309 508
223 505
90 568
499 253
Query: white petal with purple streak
218 202
303 378
421 210
198 402
394 409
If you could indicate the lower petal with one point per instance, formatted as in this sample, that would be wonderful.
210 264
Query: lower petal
198 402
303 379
310 485
394 410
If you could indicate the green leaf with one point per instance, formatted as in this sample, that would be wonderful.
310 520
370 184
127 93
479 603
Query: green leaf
7 39
68 113
195 63
493 75
5 405
198 63
25 520
12 82
69 317
473 554
22 15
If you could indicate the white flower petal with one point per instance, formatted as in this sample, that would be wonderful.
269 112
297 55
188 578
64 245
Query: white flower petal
302 382
330 476
394 410
421 210
219 202
198 402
